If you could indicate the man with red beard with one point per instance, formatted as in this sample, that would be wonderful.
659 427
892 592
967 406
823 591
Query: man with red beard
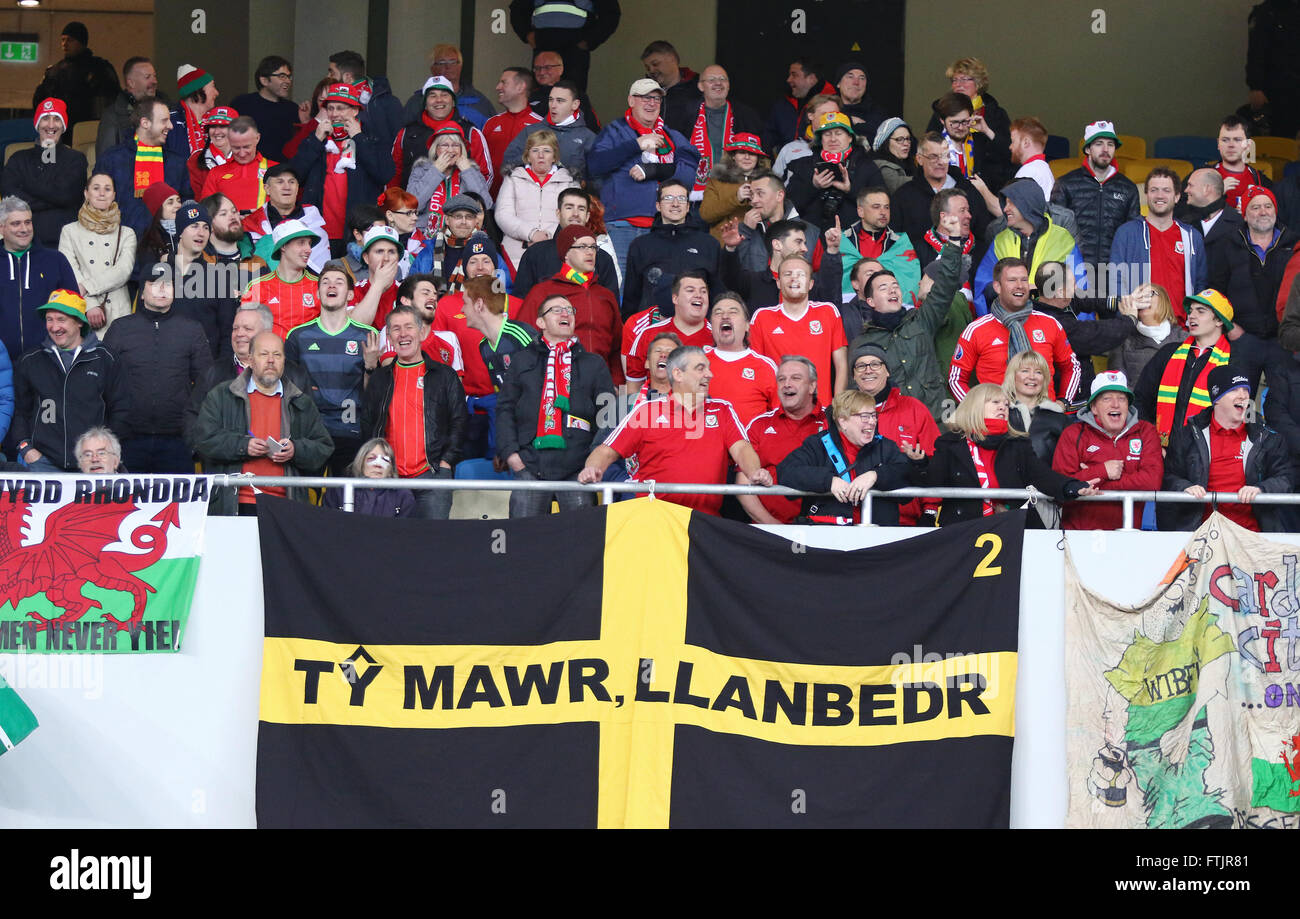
776 433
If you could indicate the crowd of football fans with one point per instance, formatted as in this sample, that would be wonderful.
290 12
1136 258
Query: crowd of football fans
821 296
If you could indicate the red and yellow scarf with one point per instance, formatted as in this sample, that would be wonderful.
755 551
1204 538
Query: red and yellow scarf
1172 378
574 276
663 154
700 141
148 167
555 397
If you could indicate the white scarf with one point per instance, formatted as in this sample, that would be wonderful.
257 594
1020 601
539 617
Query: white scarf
1157 333
348 159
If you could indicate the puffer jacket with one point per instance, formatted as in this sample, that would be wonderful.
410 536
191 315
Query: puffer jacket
1187 463
524 206
1084 449
1100 208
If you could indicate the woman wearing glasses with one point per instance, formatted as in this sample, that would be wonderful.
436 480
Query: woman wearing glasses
846 461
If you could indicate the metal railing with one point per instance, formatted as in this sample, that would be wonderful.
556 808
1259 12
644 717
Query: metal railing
607 491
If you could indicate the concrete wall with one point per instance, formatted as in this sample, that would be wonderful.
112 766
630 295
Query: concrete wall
1158 69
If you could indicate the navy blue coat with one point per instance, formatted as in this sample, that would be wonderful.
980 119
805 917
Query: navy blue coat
365 183
616 151
119 162
26 283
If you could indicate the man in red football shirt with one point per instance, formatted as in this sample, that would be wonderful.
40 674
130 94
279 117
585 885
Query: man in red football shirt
743 377
776 433
290 289
798 325
689 323
685 438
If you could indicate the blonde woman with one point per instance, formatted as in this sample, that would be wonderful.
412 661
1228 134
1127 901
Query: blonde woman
102 253
982 450
1032 413
375 460
529 197
1155 327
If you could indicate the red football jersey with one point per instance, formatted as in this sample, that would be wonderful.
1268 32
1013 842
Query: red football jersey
775 435
291 304
745 379
636 369
450 317
816 335
675 445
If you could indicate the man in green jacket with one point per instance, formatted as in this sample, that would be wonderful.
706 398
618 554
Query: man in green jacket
263 424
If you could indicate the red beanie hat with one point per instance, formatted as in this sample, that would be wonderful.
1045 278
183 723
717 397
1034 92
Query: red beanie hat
56 107
1253 192
155 195
565 239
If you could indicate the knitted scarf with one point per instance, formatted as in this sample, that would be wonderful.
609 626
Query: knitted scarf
344 148
101 223
555 396
447 189
194 130
148 166
700 141
1015 324
828 157
212 158
1172 377
574 276
665 153
984 458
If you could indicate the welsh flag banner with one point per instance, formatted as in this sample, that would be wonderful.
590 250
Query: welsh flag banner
99 564
16 719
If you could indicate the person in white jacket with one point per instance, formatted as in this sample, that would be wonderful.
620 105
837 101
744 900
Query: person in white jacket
102 253
530 195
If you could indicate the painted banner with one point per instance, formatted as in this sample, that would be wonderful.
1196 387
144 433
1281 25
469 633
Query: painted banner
99 564
16 719
1184 711
636 665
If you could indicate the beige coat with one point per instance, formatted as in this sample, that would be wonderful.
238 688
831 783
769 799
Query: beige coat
102 264
523 207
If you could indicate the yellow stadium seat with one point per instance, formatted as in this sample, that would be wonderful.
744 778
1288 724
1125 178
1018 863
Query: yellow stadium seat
1137 170
1281 147
11 149
1061 167
88 150
84 131
1265 169
1132 146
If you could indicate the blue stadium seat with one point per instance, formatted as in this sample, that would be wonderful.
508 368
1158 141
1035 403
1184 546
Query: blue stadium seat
1196 150
1058 147
13 130
479 469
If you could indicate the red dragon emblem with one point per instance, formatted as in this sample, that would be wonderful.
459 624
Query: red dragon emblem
73 555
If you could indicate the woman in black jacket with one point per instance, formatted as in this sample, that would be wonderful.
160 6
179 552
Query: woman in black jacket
983 451
1031 412
826 185
846 462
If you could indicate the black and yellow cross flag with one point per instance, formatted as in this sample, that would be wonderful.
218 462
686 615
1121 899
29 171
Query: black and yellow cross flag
637 665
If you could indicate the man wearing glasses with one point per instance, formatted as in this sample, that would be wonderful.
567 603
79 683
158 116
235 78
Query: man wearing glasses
631 156
272 106
539 436
910 204
679 242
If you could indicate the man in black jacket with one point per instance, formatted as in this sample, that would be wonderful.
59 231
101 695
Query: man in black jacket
910 205
86 82
1260 461
67 385
1227 256
49 175
1271 246
1100 195
542 261
678 241
164 354
538 439
415 394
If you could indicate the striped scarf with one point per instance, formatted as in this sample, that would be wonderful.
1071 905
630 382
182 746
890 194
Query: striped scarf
194 130
1171 380
447 189
148 167
555 396
574 276
934 242
700 141
963 159
664 154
